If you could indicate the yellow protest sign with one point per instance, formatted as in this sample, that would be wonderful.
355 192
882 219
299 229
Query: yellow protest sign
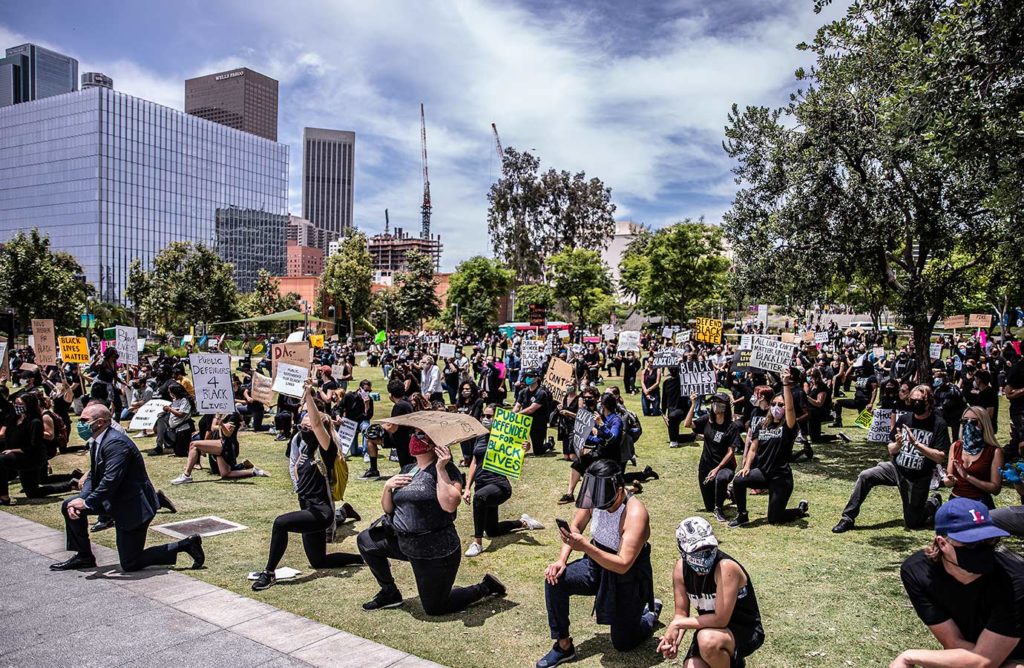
708 330
509 433
864 419
74 350
316 340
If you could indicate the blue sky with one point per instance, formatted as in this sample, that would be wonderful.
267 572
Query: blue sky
635 93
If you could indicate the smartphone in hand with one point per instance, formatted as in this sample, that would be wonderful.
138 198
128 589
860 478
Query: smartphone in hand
563 525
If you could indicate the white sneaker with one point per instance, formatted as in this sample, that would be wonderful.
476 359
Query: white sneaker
182 479
474 549
366 457
531 524
141 434
259 473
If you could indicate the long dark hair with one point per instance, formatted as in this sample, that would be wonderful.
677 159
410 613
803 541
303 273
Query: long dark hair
474 394
32 410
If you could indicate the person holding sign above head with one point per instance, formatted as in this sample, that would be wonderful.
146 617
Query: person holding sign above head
615 567
718 458
766 464
224 450
418 526
487 490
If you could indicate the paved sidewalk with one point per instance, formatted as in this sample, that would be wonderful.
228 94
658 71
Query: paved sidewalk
103 617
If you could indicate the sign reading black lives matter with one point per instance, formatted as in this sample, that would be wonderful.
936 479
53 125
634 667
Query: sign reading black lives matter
697 378
665 358
582 429
770 354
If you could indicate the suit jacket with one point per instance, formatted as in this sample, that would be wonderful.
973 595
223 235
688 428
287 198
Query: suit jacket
118 484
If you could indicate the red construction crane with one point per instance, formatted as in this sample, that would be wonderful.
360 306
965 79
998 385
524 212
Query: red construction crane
497 144
425 229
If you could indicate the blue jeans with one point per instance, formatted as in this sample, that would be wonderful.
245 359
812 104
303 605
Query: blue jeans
652 406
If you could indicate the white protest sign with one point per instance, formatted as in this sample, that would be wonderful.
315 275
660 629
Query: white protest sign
746 342
762 313
145 418
629 340
291 379
142 345
821 337
294 337
127 344
684 336
563 334
667 332
446 351
935 351
347 433
211 377
878 432
771 355
608 332
697 378
582 429
878 352
532 354
549 347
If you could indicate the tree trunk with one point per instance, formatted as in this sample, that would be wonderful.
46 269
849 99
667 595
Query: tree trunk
922 333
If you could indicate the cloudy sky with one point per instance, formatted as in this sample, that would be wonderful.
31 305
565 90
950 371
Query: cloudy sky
635 93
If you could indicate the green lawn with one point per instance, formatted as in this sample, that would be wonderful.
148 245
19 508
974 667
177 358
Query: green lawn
826 600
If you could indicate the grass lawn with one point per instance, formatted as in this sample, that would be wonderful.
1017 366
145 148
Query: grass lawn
826 600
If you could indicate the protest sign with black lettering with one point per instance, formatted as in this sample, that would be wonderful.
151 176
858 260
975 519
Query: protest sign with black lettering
608 332
74 350
667 332
262 389
864 419
44 342
347 433
741 361
291 379
881 421
297 353
127 343
746 342
697 377
581 429
211 377
980 320
955 322
771 355
532 355
935 351
446 351
558 379
683 336
708 330
666 358
629 340
821 337
145 418
505 452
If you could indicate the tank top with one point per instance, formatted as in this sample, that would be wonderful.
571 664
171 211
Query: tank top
606 527
702 592
980 468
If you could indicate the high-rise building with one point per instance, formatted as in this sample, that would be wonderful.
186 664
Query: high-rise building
328 178
112 178
30 72
304 260
96 80
390 252
241 99
305 233
251 240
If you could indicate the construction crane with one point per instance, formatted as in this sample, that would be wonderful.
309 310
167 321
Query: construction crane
497 144
425 229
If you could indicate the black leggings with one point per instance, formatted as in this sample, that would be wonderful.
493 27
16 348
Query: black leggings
312 522
814 428
780 488
29 476
486 500
854 404
434 577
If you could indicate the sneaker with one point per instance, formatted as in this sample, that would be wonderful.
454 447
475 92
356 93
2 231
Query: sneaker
566 498
530 523
658 606
803 506
266 580
385 598
182 479
141 434
843 437
673 444
557 656
393 457
259 473
739 521
154 452
718 515
843 526
281 437
366 458
370 474
808 451
194 546
936 499
651 473
494 585
475 549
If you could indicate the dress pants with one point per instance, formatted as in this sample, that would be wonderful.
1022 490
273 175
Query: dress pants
131 543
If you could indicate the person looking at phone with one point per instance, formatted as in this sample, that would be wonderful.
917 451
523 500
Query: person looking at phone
615 567
918 443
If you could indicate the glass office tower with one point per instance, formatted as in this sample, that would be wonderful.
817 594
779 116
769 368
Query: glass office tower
30 72
111 177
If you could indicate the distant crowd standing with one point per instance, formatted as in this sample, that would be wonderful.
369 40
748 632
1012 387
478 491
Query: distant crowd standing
939 438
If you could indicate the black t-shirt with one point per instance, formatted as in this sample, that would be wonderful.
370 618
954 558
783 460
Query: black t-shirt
310 481
229 444
703 594
482 477
1015 380
425 530
774 448
866 386
536 395
993 601
987 398
718 438
932 432
400 439
353 408
820 392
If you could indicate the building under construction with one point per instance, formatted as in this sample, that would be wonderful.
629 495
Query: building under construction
389 252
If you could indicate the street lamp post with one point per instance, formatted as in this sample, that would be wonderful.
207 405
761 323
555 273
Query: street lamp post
458 320
305 320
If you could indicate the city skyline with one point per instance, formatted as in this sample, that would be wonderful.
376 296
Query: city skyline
636 96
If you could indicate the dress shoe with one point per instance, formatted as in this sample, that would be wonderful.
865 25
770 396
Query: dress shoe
194 546
165 502
102 525
74 563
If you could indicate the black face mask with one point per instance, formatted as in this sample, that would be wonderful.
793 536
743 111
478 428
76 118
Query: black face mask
309 437
977 559
919 406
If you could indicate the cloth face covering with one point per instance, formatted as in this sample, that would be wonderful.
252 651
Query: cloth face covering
972 439
977 559
417 446
701 560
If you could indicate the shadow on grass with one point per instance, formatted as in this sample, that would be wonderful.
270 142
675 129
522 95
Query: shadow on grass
601 645
343 573
901 543
40 501
522 536
473 616
114 573
843 461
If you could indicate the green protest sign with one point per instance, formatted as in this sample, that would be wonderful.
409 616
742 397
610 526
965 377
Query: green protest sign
864 419
509 433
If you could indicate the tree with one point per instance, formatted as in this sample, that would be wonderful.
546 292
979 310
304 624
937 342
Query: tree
188 283
39 283
109 314
348 276
676 272
863 173
477 286
266 297
386 308
575 212
417 290
534 293
581 279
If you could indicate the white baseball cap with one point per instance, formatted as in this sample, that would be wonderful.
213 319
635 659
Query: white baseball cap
695 533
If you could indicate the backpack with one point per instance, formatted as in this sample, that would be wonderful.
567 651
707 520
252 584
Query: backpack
633 427
60 432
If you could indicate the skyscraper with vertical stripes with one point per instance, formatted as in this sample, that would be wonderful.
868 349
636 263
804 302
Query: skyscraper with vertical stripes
328 178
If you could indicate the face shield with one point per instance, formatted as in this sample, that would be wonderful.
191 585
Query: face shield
598 492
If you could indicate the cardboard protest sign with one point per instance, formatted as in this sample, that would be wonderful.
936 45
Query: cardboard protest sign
74 350
442 427
447 351
683 336
955 322
788 337
629 340
708 330
262 389
532 355
316 340
211 377
809 336
44 342
821 337
3 359
297 353
878 351
864 419
581 429
145 418
666 358
505 452
558 379
980 320
935 351
771 355
697 378
881 419
290 379
27 366
127 344
347 432
746 342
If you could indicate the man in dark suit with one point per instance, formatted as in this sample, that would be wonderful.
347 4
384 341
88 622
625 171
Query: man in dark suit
117 485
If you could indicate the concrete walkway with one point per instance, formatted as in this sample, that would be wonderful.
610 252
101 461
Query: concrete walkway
103 617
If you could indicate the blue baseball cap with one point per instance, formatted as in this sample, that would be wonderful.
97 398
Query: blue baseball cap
967 521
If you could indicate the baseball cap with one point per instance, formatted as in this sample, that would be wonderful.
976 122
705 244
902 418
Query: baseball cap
721 397
967 521
695 533
325 368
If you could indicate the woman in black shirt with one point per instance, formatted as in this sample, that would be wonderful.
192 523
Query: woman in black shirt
311 458
469 403
224 450
650 389
420 505
25 451
819 402
718 458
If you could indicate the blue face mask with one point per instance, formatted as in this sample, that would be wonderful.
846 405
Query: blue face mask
973 440
529 380
936 382
702 561
84 430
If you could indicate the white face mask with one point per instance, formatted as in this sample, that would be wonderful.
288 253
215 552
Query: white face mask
778 412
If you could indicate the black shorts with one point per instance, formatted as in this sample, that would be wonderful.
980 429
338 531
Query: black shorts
747 640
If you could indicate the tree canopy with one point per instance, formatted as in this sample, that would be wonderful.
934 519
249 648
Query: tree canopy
37 282
347 277
477 287
580 278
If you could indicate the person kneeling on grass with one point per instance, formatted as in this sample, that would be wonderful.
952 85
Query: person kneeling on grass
727 625
317 452
224 450
615 568
967 592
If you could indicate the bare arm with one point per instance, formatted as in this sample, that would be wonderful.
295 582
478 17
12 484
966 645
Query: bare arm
316 421
634 536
